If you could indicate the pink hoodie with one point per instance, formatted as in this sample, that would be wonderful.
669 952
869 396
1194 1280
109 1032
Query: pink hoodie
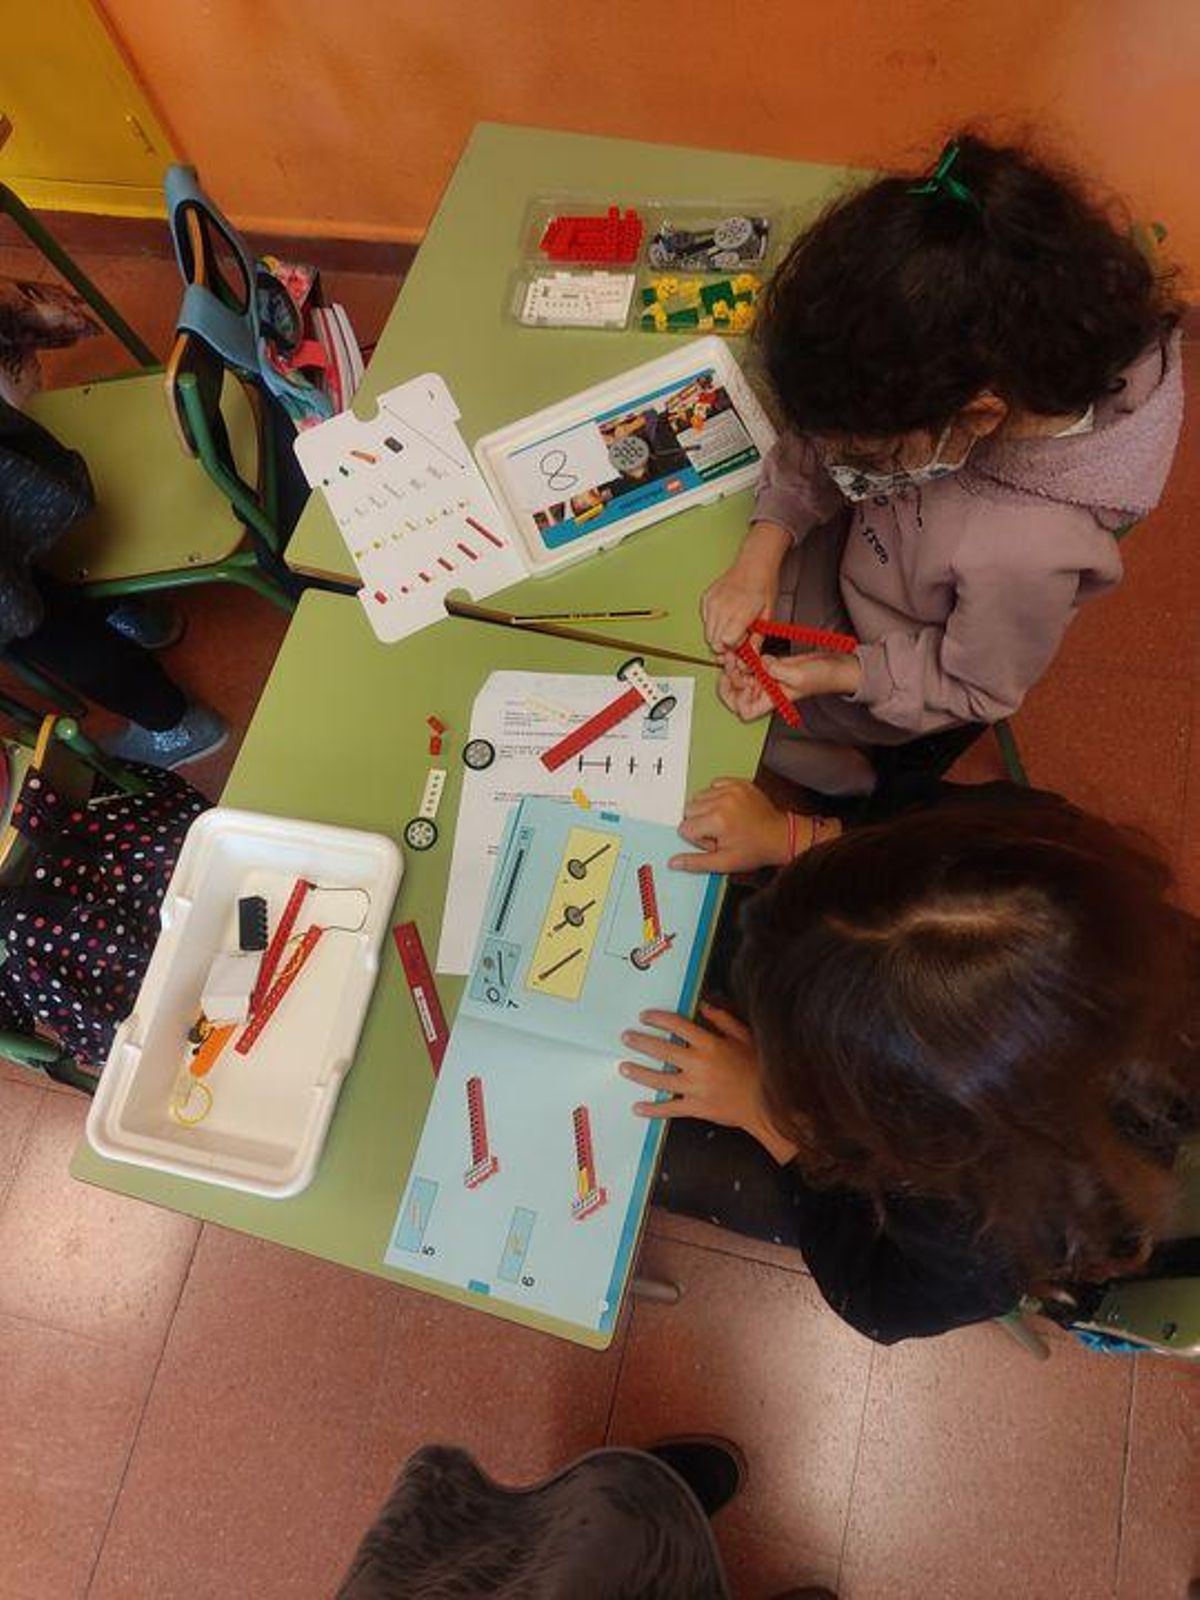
960 591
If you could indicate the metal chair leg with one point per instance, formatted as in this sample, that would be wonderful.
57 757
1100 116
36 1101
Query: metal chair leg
1026 1335
61 261
655 1289
1010 755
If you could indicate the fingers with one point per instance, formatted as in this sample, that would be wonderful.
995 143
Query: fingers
671 1022
649 1044
705 861
647 1077
725 1022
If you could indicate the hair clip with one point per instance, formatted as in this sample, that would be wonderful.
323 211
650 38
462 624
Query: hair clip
941 182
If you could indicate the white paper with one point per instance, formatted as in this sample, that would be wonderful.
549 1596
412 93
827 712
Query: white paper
639 769
565 464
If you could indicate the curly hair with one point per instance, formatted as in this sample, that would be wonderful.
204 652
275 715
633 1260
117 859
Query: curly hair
897 307
991 1004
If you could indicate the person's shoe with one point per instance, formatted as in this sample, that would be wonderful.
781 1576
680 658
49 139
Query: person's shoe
198 733
151 623
713 1469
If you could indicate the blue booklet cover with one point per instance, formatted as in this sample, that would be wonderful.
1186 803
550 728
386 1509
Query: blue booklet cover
532 1173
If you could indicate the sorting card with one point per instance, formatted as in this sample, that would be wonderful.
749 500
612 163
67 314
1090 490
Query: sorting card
411 505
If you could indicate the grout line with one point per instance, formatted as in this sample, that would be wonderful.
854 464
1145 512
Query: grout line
137 1429
858 1445
18 1161
626 1336
1125 1457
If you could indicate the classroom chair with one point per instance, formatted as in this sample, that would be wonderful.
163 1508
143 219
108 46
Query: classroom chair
1158 1313
159 523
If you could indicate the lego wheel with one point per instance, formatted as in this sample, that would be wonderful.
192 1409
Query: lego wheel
478 754
420 834
638 960
662 708
733 232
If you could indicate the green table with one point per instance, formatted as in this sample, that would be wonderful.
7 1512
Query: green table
340 736
451 314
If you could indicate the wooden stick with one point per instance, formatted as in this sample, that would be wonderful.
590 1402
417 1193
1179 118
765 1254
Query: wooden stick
474 613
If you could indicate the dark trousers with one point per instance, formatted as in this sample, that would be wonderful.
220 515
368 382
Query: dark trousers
75 644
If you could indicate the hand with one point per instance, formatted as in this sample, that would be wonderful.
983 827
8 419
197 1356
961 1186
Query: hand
713 1074
747 591
736 827
800 676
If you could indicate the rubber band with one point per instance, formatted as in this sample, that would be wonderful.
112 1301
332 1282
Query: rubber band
177 1106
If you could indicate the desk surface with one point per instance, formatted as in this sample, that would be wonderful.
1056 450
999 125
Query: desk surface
340 735
450 316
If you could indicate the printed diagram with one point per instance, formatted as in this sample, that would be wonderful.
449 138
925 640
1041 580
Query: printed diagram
573 914
654 941
589 1196
414 1219
483 1162
516 1247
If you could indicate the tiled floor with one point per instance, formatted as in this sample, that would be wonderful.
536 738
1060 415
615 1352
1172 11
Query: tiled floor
188 1414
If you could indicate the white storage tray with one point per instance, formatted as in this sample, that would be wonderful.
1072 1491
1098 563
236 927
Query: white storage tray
271 1108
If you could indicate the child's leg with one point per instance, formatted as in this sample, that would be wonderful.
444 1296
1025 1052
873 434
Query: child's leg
725 1177
75 643
809 592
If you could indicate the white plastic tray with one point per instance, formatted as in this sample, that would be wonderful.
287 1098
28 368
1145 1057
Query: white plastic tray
271 1108
560 453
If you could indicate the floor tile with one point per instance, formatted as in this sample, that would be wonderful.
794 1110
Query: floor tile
239 1482
1116 744
1151 621
985 1472
1160 1529
762 1569
68 1411
19 1103
80 1258
522 1402
754 1355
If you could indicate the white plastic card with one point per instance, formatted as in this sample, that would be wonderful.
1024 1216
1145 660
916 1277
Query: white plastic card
422 518
582 475
411 506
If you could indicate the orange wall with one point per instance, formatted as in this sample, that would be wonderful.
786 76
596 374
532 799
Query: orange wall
345 116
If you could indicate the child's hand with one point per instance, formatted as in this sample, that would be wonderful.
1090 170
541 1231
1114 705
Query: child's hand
747 591
715 1074
736 827
801 678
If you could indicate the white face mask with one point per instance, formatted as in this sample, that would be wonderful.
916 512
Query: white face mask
856 483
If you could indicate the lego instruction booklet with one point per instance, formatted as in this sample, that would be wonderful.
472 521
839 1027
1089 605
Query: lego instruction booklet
532 1172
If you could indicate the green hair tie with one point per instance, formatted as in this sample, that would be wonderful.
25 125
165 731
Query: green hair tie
940 181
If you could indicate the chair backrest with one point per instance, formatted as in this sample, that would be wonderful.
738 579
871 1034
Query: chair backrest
214 367
1162 1314
219 302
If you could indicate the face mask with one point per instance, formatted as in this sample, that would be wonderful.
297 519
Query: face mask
858 484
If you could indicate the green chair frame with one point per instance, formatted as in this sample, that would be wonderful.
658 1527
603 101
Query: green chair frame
260 568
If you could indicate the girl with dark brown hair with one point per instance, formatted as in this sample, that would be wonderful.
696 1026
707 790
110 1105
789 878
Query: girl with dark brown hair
968 1058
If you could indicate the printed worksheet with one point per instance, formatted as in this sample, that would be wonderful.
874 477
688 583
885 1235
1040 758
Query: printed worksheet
639 768
532 1173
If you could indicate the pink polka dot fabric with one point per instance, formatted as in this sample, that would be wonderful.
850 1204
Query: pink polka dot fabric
79 931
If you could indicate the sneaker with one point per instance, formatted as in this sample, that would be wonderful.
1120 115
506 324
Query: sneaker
151 623
198 733
713 1469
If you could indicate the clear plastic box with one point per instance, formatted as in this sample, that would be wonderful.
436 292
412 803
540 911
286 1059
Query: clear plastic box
579 254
